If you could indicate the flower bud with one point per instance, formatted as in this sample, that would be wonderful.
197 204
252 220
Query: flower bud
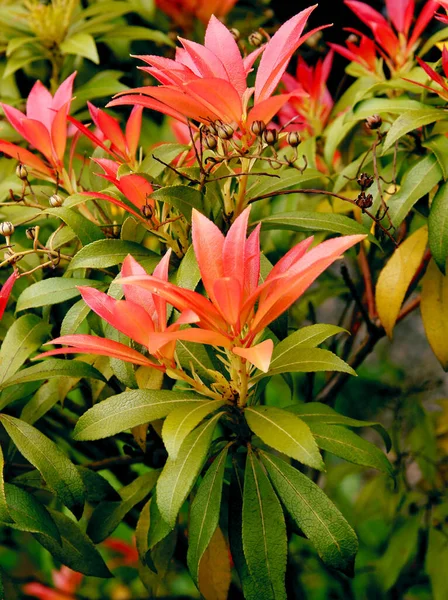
374 122
364 200
255 39
352 38
293 138
55 201
31 233
235 33
225 131
7 228
270 136
365 180
210 141
21 172
258 127
147 211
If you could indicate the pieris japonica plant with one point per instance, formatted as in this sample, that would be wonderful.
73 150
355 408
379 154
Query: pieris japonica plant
168 288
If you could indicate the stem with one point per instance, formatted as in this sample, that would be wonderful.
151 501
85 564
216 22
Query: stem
240 201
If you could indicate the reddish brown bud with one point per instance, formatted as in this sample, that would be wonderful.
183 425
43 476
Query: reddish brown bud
22 172
55 201
210 141
225 131
374 122
7 228
235 33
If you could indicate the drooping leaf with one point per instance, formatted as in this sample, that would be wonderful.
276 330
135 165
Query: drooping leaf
394 106
50 393
23 338
418 180
179 474
159 529
181 197
54 367
74 317
108 515
96 486
5 517
400 548
286 433
107 253
396 276
28 513
263 532
77 551
204 513
129 409
315 514
315 221
55 467
281 181
436 556
166 153
305 337
85 230
188 274
52 291
438 227
434 309
181 421
215 574
439 145
317 412
410 120
345 443
81 44
306 360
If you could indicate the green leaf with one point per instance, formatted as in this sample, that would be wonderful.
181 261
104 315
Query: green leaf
81 44
74 317
315 221
166 153
28 513
438 227
193 356
179 474
134 32
76 551
346 444
306 360
102 85
306 337
335 132
315 514
283 180
411 120
130 409
107 253
55 467
416 182
188 275
436 556
23 338
20 60
52 291
434 311
54 367
108 515
438 144
181 421
181 197
97 487
286 433
316 412
400 548
48 394
5 517
204 513
264 532
158 528
85 230
394 106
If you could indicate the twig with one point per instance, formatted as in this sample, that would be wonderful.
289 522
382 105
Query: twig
112 461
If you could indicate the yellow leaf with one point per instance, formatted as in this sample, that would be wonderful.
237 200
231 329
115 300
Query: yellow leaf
214 569
396 276
147 379
434 308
